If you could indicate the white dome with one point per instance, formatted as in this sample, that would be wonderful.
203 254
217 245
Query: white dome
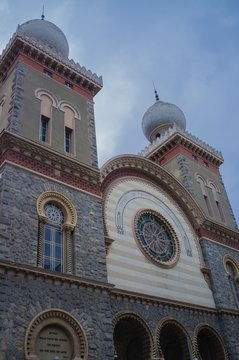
162 114
48 33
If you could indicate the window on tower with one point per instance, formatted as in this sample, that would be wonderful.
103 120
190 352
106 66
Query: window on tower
44 128
47 73
68 140
70 86
47 102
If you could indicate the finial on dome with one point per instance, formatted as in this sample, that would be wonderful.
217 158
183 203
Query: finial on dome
155 92
43 16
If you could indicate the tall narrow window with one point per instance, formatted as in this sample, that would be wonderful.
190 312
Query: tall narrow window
69 122
202 183
46 110
57 219
68 140
215 193
233 277
44 128
53 258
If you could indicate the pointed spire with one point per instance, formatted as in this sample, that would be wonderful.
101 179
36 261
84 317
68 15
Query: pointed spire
43 16
155 92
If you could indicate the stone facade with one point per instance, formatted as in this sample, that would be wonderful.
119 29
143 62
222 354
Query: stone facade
163 310
21 299
19 240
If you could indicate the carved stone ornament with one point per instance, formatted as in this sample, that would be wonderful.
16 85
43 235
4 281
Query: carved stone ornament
61 326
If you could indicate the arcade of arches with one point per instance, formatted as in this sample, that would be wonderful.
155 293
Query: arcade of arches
133 340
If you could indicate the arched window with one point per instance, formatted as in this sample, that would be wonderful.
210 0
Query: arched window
53 253
215 193
232 269
57 220
47 102
203 185
70 114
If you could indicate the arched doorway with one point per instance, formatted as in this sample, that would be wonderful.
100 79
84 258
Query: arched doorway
208 344
173 341
132 337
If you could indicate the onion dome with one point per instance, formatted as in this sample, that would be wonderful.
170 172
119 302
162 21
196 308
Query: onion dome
48 33
159 117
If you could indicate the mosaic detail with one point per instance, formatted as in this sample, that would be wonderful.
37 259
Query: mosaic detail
156 238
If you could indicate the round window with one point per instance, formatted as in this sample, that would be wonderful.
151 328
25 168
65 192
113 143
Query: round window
156 238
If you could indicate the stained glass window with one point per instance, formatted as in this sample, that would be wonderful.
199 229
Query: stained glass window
53 238
155 237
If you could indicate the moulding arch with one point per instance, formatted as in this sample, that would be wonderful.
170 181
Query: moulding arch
127 314
159 327
60 200
64 103
59 318
3 99
155 200
199 178
149 170
230 259
206 326
211 183
39 92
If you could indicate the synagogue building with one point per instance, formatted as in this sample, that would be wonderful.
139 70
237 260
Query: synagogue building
136 260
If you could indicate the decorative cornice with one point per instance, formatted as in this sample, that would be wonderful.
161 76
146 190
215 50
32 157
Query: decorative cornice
220 234
30 272
40 158
42 53
133 165
176 136
144 299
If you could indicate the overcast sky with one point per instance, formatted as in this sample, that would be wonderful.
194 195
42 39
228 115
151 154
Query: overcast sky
190 49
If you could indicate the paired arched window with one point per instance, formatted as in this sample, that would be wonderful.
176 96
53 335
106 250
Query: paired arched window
215 193
211 195
48 101
57 220
204 191
232 269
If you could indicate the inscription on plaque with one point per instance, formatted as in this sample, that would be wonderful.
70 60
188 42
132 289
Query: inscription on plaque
53 342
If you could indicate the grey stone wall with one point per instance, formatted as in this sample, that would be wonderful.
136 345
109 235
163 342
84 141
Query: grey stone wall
92 136
213 256
19 223
230 333
17 96
22 299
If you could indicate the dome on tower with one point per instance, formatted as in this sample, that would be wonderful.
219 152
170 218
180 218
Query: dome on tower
48 33
159 117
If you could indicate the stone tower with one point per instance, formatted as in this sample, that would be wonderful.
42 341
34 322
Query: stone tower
52 238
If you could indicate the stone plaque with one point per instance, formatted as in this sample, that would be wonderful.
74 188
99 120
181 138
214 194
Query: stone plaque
53 342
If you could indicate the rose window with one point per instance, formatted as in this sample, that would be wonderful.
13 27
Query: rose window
156 238
54 214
